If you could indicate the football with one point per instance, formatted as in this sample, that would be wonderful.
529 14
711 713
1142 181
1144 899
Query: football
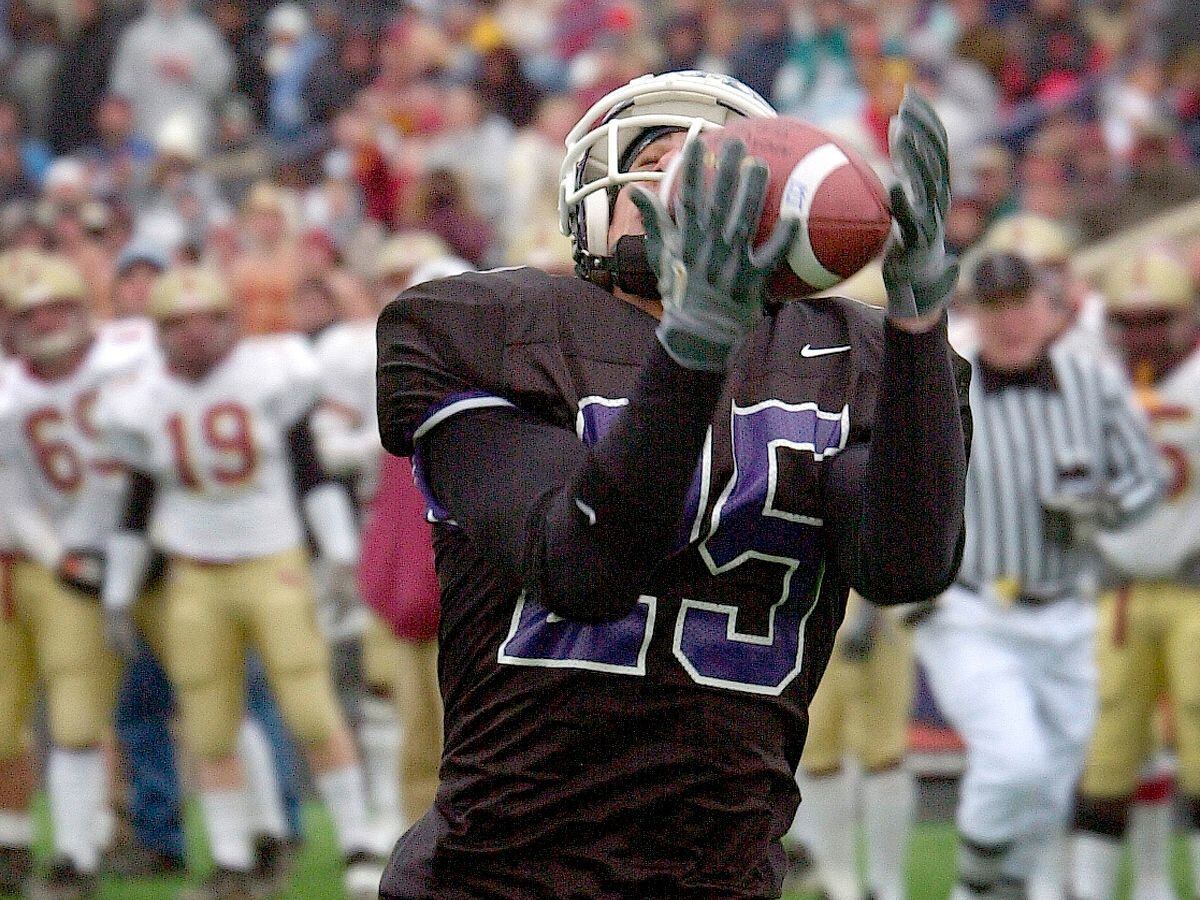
818 178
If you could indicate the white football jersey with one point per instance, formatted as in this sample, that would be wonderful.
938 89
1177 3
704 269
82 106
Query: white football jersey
1158 545
344 424
51 450
217 448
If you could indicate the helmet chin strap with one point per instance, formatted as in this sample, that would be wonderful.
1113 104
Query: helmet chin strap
630 267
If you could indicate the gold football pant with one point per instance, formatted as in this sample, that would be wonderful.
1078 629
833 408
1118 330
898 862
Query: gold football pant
862 707
1147 645
419 707
212 614
54 634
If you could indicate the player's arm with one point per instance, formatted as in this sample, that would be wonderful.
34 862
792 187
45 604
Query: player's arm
895 504
581 528
328 506
1136 480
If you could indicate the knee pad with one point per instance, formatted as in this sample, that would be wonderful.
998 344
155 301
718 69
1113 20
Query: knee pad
211 714
307 704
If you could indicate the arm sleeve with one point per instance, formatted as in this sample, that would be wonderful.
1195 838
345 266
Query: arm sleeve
328 507
1136 480
128 552
580 527
894 505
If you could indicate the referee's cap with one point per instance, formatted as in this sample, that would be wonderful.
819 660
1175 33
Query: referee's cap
1000 276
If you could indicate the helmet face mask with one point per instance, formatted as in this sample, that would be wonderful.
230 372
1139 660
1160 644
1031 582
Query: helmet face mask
599 143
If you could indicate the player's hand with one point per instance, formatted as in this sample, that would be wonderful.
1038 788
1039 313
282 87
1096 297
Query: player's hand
83 571
1074 518
120 633
861 633
918 271
711 279
340 611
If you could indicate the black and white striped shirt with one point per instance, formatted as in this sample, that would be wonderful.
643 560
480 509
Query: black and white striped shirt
1072 424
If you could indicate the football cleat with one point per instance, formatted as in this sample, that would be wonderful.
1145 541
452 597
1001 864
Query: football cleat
364 871
16 865
65 882
223 884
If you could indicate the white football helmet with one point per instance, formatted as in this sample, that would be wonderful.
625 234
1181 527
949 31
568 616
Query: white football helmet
596 147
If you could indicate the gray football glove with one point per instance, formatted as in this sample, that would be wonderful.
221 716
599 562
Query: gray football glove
918 271
120 633
711 279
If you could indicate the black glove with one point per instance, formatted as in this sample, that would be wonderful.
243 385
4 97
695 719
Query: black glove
711 279
918 272
83 571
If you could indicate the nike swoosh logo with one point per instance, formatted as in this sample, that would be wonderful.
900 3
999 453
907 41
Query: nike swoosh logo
809 351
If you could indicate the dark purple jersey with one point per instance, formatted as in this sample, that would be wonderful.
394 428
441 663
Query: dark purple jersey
652 756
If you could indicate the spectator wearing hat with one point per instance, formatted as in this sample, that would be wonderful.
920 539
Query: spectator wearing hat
169 62
138 265
292 49
180 198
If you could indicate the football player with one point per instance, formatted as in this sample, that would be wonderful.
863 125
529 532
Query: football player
61 495
652 505
861 708
217 444
347 437
16 763
1150 624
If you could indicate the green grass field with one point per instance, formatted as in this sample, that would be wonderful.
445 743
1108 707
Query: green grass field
931 867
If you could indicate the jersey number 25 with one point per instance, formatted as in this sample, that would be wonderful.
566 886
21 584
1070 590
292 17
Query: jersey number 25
745 524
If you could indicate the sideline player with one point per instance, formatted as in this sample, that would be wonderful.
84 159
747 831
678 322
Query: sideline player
632 624
1150 624
861 708
1058 451
61 501
216 444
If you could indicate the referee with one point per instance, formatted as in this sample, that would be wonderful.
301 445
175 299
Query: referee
1059 450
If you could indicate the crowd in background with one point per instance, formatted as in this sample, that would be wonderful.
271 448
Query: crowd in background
283 142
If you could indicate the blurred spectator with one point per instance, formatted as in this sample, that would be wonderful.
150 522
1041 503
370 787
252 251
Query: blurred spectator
442 208
532 179
503 87
343 69
994 175
171 62
139 264
1131 101
13 183
763 49
181 199
241 157
81 79
682 38
117 158
292 49
240 33
817 77
264 276
31 75
1157 181
1052 54
35 155
335 205
474 144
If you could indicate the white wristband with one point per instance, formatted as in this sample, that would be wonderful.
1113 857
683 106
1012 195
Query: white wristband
126 564
330 515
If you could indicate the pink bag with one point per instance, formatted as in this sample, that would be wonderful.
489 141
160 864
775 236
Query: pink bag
396 575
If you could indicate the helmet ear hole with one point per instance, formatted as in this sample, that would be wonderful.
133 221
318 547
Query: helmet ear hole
595 210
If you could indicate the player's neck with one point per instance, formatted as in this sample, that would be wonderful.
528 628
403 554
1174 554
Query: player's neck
199 370
651 307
